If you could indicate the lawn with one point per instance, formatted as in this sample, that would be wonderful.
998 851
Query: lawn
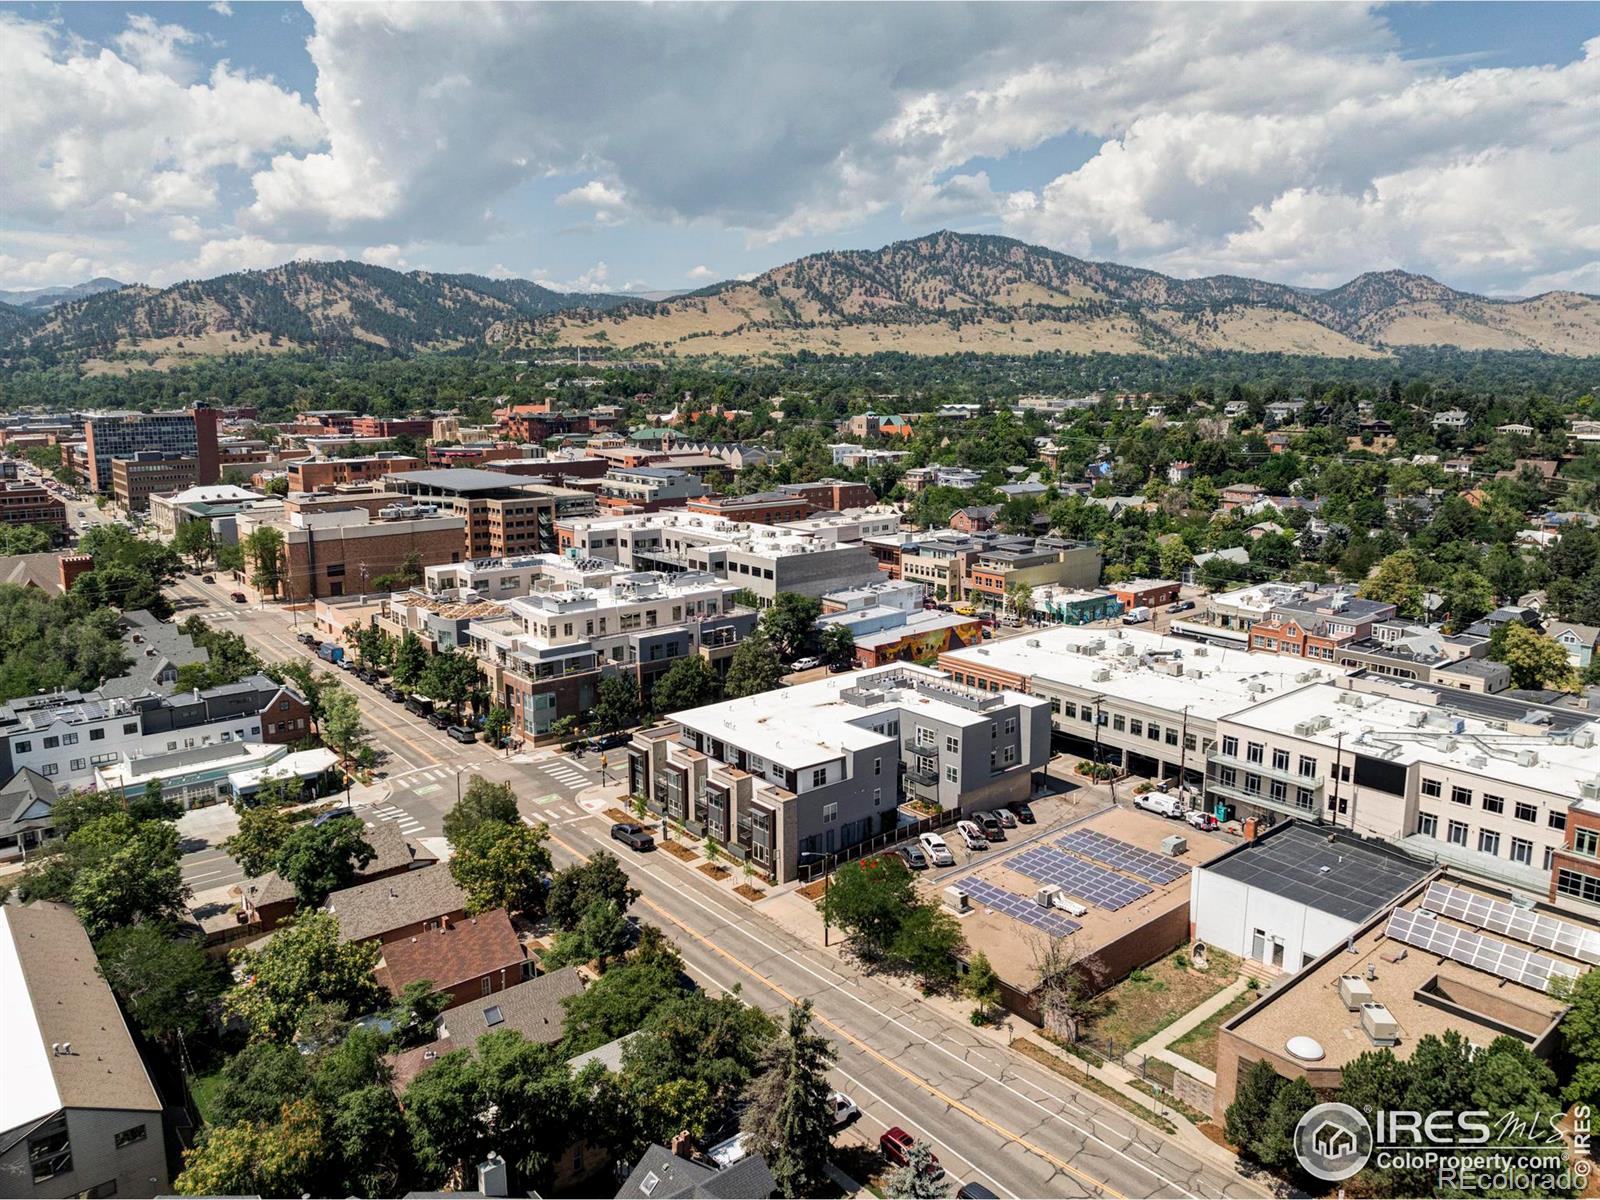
1199 1045
1150 999
204 1089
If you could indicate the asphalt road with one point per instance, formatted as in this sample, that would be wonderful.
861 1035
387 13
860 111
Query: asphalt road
990 1115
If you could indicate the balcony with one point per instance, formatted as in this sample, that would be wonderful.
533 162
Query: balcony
1262 800
1314 782
921 777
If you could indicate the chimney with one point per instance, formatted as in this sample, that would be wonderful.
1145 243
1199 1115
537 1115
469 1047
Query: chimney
682 1143
444 923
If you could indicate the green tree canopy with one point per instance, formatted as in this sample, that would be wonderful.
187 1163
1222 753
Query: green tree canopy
575 888
789 1120
319 858
755 667
304 964
503 865
481 801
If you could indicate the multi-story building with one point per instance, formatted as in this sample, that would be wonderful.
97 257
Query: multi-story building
503 516
176 435
760 508
889 624
170 512
832 495
918 478
80 1115
30 504
1049 562
822 767
137 477
1148 593
392 427
649 489
341 551
546 652
476 455
503 578
324 474
765 559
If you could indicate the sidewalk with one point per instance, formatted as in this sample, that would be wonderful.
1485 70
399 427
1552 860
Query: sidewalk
1156 1047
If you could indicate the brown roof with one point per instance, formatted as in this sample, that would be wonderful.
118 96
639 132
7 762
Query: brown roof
534 1009
373 909
457 952
73 1004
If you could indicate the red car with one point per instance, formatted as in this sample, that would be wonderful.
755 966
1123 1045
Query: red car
896 1143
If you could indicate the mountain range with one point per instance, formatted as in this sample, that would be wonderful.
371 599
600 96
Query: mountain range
938 294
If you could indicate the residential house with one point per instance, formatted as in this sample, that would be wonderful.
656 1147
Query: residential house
465 959
1577 640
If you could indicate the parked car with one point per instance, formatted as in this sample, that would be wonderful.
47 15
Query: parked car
975 1191
306 639
366 675
937 851
845 1110
609 741
392 694
1201 819
971 836
990 824
1006 817
1024 812
633 837
203 578
895 1145
808 663
461 733
438 720
839 667
913 856
1181 606
346 664
238 597
1159 803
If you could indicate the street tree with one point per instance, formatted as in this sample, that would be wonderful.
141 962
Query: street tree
502 865
688 683
341 726
497 725
790 623
927 942
869 900
153 805
575 888
982 986
617 704
1070 985
755 667
319 858
195 542
410 661
263 830
838 645
451 678
305 963
264 559
789 1120
165 983
481 801
601 935
625 997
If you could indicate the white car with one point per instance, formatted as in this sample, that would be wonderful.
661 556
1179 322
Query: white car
805 664
971 835
844 1109
938 853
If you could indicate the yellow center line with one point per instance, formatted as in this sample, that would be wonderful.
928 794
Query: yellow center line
1059 1163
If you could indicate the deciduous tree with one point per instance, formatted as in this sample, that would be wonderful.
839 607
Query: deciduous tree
575 888
481 801
165 983
305 963
263 830
318 858
754 668
503 865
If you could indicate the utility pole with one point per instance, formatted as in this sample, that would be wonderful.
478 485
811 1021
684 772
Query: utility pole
1183 754
1338 757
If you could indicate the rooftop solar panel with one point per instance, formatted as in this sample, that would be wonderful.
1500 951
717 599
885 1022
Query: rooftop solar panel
1018 908
1536 929
1474 950
1124 856
1078 877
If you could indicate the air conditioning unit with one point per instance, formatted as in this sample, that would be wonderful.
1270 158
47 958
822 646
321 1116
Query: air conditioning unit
1379 1025
1416 719
1354 992
1589 789
1100 674
956 900
1045 897
1174 844
1527 758
1303 728
1125 650
1583 739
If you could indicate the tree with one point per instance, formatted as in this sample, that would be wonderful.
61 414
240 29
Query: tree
838 645
451 678
414 1016
982 986
916 1179
24 539
410 661
1069 987
304 964
263 555
124 871
263 830
1246 1118
481 801
1175 559
1274 1145
77 809
1535 661
624 998
617 705
576 888
195 542
688 683
789 1120
277 1158
497 725
601 935
341 726
165 983
790 624
869 900
1397 581
928 941
322 857
502 865
754 668
258 1081
443 1110
368 1135
152 804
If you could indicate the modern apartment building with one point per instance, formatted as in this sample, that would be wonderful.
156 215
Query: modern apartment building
502 515
109 436
503 578
79 1115
545 653
1048 562
649 489
766 559
819 768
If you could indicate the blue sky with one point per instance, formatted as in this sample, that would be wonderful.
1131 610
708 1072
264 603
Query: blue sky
613 146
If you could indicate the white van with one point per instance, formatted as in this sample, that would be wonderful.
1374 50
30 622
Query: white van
971 835
1159 803
1137 615
938 853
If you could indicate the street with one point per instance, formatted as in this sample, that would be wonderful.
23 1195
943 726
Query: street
990 1115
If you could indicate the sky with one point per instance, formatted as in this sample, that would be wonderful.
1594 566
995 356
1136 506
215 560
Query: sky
666 146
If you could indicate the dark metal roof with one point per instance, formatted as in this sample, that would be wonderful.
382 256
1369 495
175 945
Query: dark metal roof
1333 872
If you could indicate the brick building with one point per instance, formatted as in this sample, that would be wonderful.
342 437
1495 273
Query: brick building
30 504
340 552
503 516
147 473
831 494
760 508
323 474
191 435
392 427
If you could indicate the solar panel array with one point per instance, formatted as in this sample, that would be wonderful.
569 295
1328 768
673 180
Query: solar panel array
1563 937
1124 856
1474 950
1019 908
1077 877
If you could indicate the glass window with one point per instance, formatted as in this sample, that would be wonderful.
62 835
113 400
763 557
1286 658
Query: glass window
24 747
1457 833
1427 824
1556 819
50 743
1574 883
1586 842
1460 795
1308 766
1254 752
1522 851
951 775
1488 842
1494 804
50 1151
129 1136
1432 787
1280 759
1119 723
952 745
830 813
97 735
1135 726
1525 812
819 777
1230 747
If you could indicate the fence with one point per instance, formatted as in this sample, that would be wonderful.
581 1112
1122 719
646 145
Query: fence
811 872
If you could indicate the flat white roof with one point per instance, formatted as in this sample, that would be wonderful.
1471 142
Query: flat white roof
30 1091
302 764
811 723
1140 668
1407 731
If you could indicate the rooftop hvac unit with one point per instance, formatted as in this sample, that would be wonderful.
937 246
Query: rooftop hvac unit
1302 728
1583 739
1354 992
1379 1024
1174 844
956 900
1307 676
1100 674
1256 687
1032 643
1200 652
1125 650
1478 762
1527 758
1416 719
1589 789
1447 744
1045 897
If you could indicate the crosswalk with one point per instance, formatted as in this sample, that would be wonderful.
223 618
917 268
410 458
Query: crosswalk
565 773
424 781
404 821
